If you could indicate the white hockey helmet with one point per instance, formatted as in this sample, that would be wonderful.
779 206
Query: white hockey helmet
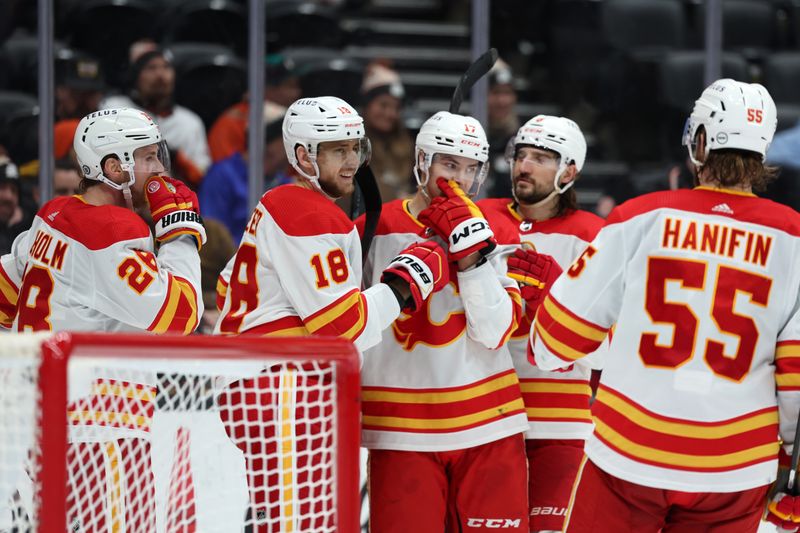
447 133
310 121
557 134
735 115
117 133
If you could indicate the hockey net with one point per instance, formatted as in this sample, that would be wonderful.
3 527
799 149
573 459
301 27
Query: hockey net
110 433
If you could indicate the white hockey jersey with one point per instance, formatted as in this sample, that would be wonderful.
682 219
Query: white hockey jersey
557 403
93 268
703 286
298 271
441 378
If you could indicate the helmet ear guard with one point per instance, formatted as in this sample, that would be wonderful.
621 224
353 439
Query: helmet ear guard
734 115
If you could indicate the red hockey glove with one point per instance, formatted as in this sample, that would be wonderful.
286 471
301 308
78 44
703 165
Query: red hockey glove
458 221
535 274
175 209
784 511
422 265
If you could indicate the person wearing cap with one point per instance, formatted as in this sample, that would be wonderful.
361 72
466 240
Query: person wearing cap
79 86
152 89
13 218
228 133
224 190
501 104
382 96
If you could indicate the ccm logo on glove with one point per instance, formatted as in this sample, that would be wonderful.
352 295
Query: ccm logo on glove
467 229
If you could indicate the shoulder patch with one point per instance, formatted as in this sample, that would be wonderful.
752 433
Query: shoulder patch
301 212
94 226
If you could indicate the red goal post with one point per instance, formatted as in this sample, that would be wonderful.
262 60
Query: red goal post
181 434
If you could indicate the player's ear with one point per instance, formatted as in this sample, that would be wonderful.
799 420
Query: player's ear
112 168
569 175
304 158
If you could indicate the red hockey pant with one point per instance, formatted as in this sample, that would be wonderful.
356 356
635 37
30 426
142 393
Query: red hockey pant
606 504
553 466
475 489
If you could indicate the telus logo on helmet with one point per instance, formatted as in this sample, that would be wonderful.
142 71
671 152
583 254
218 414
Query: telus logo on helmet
104 113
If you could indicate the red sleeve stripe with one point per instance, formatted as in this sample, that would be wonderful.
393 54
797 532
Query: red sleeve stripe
787 365
346 317
516 318
9 293
565 335
723 445
178 314
288 326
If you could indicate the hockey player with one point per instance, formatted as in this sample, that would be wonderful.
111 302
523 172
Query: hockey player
546 156
298 272
703 289
89 263
442 412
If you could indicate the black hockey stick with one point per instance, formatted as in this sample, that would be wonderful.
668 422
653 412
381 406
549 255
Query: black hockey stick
372 206
474 72
790 484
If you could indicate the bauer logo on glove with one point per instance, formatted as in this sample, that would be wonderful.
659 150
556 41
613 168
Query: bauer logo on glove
175 210
423 267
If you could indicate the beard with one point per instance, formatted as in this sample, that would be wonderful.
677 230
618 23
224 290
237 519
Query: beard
530 192
335 189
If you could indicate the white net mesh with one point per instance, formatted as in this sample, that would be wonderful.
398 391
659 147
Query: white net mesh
178 445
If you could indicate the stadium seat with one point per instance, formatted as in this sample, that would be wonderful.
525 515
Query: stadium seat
211 21
749 27
337 76
107 28
782 79
681 76
292 23
13 103
209 78
21 56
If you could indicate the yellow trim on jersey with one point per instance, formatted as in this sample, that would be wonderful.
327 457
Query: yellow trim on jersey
114 488
551 412
787 350
555 386
581 328
189 295
288 332
513 212
763 451
412 217
563 350
146 394
288 384
8 291
787 380
678 429
443 423
335 312
169 312
440 397
107 417
726 191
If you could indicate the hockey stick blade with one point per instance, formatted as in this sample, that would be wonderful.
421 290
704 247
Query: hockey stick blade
476 71
372 205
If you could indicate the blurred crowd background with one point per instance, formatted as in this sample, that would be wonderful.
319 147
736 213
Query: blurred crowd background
627 71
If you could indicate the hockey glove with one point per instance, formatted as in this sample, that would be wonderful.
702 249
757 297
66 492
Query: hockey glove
175 210
783 509
535 274
422 265
458 221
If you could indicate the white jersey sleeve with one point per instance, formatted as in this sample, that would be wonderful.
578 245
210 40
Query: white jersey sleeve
12 268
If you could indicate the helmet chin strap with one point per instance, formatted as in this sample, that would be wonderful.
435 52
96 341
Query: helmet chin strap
696 163
423 185
314 180
125 188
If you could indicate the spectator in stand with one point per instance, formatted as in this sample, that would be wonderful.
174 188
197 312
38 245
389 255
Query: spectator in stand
227 135
13 218
392 148
213 258
63 135
152 89
224 190
503 125
79 85
66 178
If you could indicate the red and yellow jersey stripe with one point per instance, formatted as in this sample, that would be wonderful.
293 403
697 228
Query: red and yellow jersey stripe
222 292
565 334
9 292
556 400
346 317
444 410
178 314
517 317
787 365
114 403
288 326
720 446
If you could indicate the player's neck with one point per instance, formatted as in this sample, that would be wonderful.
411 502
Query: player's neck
740 187
417 203
103 195
540 210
